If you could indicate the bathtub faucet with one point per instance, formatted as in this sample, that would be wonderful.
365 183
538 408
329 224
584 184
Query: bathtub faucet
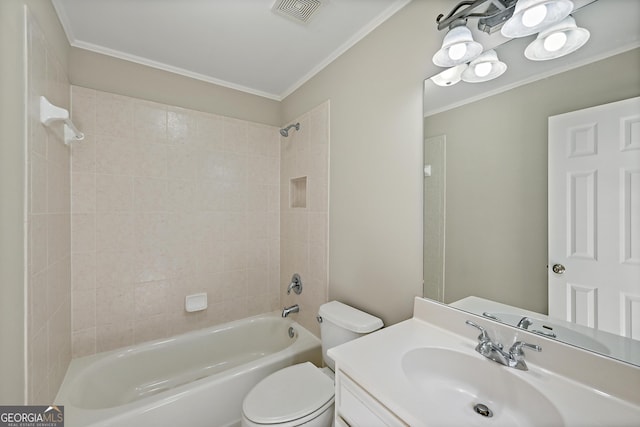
288 310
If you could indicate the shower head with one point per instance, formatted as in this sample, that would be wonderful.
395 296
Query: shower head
285 132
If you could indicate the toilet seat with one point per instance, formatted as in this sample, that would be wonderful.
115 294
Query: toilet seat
290 394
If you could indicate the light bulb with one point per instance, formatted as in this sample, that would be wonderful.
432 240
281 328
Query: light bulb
534 16
555 41
457 51
482 69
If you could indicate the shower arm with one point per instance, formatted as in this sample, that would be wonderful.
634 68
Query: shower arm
285 131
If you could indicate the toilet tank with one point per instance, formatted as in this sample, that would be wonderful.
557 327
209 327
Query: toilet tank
340 323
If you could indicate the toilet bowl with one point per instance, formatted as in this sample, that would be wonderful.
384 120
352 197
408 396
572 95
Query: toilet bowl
304 394
296 395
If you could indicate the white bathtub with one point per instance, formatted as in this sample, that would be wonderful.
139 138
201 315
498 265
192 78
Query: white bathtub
196 379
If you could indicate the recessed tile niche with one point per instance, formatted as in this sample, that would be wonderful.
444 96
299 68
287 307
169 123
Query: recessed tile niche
298 192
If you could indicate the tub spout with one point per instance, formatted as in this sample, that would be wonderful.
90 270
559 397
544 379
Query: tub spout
288 310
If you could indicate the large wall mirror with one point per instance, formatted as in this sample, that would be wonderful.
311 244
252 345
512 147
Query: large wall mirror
486 185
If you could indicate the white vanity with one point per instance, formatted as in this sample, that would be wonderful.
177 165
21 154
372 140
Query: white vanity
425 371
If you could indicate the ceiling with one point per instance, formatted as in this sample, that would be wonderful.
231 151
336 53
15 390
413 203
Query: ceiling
241 44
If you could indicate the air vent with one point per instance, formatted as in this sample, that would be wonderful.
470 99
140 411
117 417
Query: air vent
300 10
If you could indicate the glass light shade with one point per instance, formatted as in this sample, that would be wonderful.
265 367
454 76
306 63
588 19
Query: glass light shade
544 47
457 48
532 16
450 76
484 68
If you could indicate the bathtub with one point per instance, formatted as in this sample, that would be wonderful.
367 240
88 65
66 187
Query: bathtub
196 379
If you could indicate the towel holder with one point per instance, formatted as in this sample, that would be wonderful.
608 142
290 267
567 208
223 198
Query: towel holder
50 114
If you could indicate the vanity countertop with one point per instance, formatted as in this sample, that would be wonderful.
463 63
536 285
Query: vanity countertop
375 363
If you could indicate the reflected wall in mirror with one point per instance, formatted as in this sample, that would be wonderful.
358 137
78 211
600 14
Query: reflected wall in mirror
486 218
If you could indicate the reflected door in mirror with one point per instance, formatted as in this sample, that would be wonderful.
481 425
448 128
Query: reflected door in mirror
594 217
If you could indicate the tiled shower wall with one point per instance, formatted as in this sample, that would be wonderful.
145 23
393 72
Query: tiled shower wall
304 213
48 225
167 202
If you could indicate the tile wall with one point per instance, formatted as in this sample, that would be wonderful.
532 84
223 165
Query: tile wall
304 230
167 202
48 225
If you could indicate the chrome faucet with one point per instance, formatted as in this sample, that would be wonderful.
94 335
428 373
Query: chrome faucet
295 285
516 354
514 358
524 323
288 310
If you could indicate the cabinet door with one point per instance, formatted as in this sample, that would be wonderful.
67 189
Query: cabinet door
357 408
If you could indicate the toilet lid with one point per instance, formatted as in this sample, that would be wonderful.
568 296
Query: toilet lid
288 394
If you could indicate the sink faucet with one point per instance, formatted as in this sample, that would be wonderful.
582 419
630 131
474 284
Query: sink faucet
288 310
524 323
514 358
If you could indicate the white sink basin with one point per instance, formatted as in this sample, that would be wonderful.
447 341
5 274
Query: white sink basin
452 384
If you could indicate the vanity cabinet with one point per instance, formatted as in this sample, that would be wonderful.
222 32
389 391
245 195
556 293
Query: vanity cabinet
355 407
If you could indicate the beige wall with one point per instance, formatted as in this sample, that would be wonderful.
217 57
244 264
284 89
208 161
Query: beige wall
375 201
169 202
12 183
304 213
13 164
496 214
48 224
109 74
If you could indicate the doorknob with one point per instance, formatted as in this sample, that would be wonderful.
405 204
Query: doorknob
558 268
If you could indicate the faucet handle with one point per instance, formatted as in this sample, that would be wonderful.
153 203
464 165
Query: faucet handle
296 284
517 347
484 335
516 354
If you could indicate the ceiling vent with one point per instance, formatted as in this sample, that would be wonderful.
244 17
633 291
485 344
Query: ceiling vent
300 10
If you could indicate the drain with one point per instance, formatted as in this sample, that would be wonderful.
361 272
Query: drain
292 332
483 410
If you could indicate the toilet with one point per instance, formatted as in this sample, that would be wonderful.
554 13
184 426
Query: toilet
303 394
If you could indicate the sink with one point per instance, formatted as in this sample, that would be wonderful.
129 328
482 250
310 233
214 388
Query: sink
454 385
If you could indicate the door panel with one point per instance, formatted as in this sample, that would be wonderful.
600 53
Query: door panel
594 217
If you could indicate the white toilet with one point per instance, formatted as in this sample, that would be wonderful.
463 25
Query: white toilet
303 394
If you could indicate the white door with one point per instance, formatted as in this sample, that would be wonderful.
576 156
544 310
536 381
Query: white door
594 217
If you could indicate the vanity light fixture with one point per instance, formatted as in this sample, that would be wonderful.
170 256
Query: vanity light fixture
484 68
558 36
557 41
458 46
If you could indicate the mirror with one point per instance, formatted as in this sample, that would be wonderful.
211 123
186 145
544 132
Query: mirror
485 186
